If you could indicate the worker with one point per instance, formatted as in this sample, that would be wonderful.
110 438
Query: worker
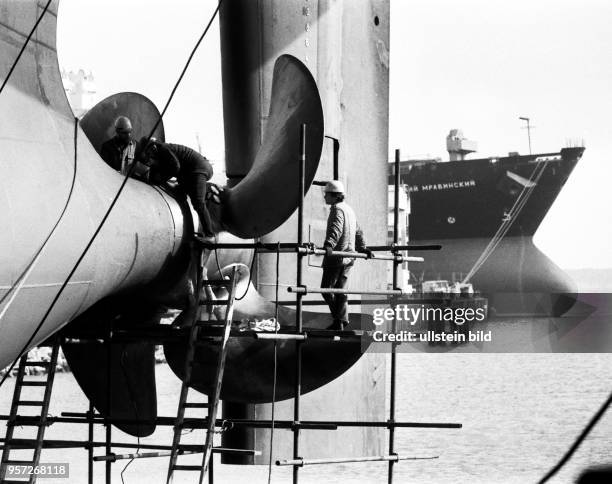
120 151
344 235
191 169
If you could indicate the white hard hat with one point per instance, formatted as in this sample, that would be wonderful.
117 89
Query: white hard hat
334 186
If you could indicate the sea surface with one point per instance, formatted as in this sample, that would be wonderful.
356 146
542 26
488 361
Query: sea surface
520 413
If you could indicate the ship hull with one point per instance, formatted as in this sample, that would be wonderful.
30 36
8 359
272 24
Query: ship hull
484 213
517 277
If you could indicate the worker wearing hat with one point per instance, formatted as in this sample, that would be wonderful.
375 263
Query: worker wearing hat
343 235
120 151
191 169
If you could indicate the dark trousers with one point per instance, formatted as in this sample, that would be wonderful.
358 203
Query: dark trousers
196 189
336 277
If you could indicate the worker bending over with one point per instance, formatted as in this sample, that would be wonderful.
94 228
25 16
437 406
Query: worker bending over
343 234
191 169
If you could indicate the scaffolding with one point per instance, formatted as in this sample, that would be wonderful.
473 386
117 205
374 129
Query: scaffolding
163 334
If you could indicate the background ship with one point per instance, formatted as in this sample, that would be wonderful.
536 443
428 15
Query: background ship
484 212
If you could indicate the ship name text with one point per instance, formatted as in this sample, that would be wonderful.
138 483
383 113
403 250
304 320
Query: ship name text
442 186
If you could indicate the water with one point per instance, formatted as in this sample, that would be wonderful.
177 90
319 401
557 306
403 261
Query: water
520 412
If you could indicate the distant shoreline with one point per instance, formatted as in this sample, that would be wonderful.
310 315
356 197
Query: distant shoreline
592 279
44 354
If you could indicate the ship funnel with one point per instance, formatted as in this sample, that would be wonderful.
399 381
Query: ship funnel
459 146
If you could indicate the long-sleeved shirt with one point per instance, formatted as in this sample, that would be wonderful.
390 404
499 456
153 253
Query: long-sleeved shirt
343 234
180 161
118 155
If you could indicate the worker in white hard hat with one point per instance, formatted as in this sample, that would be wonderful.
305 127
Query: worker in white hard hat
343 235
120 151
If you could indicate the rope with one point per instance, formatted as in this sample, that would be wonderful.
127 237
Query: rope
23 47
27 270
133 401
114 201
583 435
521 204
30 267
20 281
217 257
180 78
501 231
505 226
518 205
252 264
275 364
250 276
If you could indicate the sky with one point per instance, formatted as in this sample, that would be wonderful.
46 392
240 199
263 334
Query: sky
476 65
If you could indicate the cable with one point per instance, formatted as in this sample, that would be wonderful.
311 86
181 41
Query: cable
133 400
217 257
114 201
180 78
276 324
252 264
250 276
20 281
518 205
27 41
24 275
25 272
583 435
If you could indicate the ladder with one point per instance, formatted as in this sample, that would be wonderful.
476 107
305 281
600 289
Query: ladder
213 398
38 421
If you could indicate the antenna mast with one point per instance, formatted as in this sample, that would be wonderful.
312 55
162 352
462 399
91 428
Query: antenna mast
528 131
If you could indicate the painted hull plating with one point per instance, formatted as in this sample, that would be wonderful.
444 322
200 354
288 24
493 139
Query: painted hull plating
484 213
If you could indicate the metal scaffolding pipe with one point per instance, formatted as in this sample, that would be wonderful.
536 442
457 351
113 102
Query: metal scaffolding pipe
295 246
343 460
90 436
165 453
318 290
298 300
141 455
396 269
396 247
361 255
74 444
260 246
70 417
279 336
406 299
